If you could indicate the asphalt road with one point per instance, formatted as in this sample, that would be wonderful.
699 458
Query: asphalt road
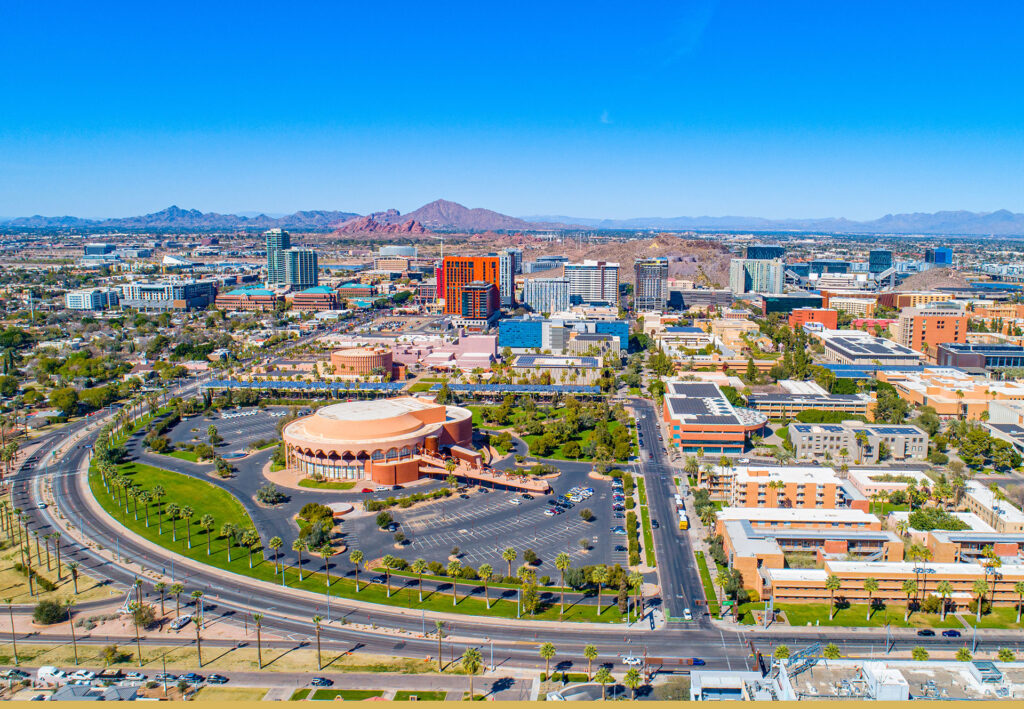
398 633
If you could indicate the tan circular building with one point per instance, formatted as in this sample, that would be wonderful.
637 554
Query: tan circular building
380 440
362 360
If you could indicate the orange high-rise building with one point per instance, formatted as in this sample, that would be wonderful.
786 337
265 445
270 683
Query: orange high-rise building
460 271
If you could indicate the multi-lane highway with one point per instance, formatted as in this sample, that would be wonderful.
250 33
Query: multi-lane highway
394 631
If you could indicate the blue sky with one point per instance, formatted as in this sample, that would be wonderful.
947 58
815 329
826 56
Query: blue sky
600 109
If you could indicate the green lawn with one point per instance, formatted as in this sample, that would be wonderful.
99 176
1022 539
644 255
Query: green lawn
184 455
347 694
299 694
705 580
999 617
270 444
421 696
642 490
419 387
645 519
206 498
856 616
328 484
743 612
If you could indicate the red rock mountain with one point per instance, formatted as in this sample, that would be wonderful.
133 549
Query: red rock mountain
369 225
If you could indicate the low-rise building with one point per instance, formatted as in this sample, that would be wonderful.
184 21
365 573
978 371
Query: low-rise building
800 316
560 370
92 299
1002 515
796 397
925 329
857 441
699 417
980 356
814 487
858 307
248 299
163 296
316 299
847 347
951 392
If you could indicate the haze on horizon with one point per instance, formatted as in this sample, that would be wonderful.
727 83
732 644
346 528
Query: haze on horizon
792 110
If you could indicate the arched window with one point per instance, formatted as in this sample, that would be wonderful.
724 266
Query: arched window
404 452
377 455
392 453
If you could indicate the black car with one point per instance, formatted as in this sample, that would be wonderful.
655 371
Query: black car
527 496
654 524
191 678
216 679
619 515
321 682
951 633
926 633
619 547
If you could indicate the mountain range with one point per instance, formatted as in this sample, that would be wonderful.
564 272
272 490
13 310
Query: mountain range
450 216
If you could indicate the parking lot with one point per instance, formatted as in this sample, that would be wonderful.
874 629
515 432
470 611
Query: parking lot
488 522
239 428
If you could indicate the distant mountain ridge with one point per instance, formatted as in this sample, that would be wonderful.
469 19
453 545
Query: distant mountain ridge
175 217
999 223
446 215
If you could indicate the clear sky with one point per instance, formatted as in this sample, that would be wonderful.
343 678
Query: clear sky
597 109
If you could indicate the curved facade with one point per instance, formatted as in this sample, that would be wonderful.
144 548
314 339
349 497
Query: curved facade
377 440
362 360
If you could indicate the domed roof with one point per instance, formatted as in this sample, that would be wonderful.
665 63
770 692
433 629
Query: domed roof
362 420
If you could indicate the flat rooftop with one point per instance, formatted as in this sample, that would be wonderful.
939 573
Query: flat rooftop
699 403
796 514
869 347
985 498
373 410
555 361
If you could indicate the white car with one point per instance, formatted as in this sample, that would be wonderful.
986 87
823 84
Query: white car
515 501
135 676
549 513
180 622
82 675
632 661
687 614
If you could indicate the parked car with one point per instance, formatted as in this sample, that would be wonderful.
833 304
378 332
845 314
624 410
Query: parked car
549 512
618 515
190 677
926 633
217 679
180 622
321 682
165 677
620 547
82 675
951 633
527 496
618 530
515 501
632 661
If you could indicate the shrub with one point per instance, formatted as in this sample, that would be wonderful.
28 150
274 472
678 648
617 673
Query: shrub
49 612
269 495
530 557
932 518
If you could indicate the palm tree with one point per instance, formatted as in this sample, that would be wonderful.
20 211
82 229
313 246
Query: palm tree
176 590
509 555
871 586
197 602
186 514
71 625
1018 588
326 551
945 590
547 651
14 639
157 494
73 568
161 588
257 618
562 562
471 661
599 576
633 680
833 584
228 531
603 678
299 546
636 582
135 607
831 652
910 589
418 567
173 509
144 497
250 538
454 569
196 620
590 653
389 562
275 544
439 629
316 624
485 572
207 523
356 557
980 589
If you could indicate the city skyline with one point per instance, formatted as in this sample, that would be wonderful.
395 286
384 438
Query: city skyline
795 111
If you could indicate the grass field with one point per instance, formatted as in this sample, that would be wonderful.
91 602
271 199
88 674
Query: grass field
421 696
642 490
205 498
999 617
327 484
230 694
347 694
299 694
645 519
184 455
709 587
855 616
583 438
419 387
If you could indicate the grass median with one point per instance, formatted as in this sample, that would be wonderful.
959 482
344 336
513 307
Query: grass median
645 518
709 586
327 484
212 549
